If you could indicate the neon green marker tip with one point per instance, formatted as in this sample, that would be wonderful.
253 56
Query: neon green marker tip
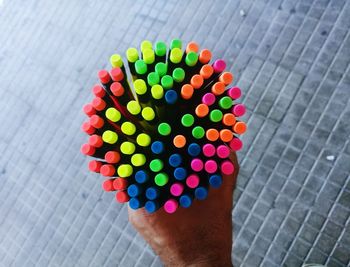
153 78
160 49
143 140
140 87
187 120
146 45
116 61
133 107
164 129
156 165
148 56
175 55
225 102
157 91
198 132
109 137
113 114
128 128
132 54
161 179
176 43
140 66
167 82
138 159
161 68
125 170
215 115
127 148
148 113
191 59
178 75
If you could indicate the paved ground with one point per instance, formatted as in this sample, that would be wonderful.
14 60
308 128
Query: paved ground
290 57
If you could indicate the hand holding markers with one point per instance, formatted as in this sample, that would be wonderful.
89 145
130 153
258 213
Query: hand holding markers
163 139
199 236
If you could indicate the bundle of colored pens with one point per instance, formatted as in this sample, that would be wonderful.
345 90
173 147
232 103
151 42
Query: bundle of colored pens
163 137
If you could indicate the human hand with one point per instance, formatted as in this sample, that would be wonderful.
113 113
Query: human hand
198 236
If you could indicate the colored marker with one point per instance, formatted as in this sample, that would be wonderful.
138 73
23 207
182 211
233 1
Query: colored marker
160 50
151 206
176 189
161 69
223 151
152 193
98 91
239 110
215 180
234 92
157 147
192 181
171 205
174 59
185 201
209 150
95 166
141 176
175 160
122 197
135 203
89 110
194 150
201 193
120 184
197 165
240 127
87 128
180 173
107 185
192 46
132 56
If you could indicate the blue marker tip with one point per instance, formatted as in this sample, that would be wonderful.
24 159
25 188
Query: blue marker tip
134 190
151 206
175 160
157 147
134 203
194 149
152 193
201 193
185 201
171 97
180 173
215 180
141 177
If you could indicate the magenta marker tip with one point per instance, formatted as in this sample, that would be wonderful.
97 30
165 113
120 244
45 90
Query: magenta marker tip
227 167
208 99
211 166
219 66
192 181
176 189
234 92
170 206
238 110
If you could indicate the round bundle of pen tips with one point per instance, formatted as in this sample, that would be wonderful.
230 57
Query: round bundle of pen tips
161 125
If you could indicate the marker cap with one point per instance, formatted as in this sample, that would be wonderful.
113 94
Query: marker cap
148 56
201 193
218 88
215 115
226 78
227 167
157 147
171 97
98 103
113 114
134 190
223 151
88 150
140 87
170 206
226 135
124 170
161 69
128 128
198 132
112 157
204 56
194 149
98 90
117 89
209 150
141 176
143 140
186 91
225 102
132 54
110 137
236 144
127 148
133 107
234 92
107 170
117 74
151 206
229 119
178 75
192 46
161 179
120 184
212 135
175 55
180 173
202 110
192 181
240 127
122 197
219 65
164 129
179 141
176 43
104 77
95 166
134 203
208 99
185 201
89 109
215 180
191 59
138 159
167 82
175 160
187 120
152 193
160 49
95 140
239 110
197 165
140 67
153 78
145 45
157 91
206 71
156 165
148 113
176 189
87 128
196 81
210 166
116 61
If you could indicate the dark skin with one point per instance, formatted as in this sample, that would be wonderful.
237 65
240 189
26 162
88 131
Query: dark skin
197 236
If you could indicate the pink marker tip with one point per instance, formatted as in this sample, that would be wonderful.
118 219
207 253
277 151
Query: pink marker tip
223 151
192 181
227 167
176 189
219 66
208 150
170 206
210 166
234 92
208 99
238 110
236 144
197 165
